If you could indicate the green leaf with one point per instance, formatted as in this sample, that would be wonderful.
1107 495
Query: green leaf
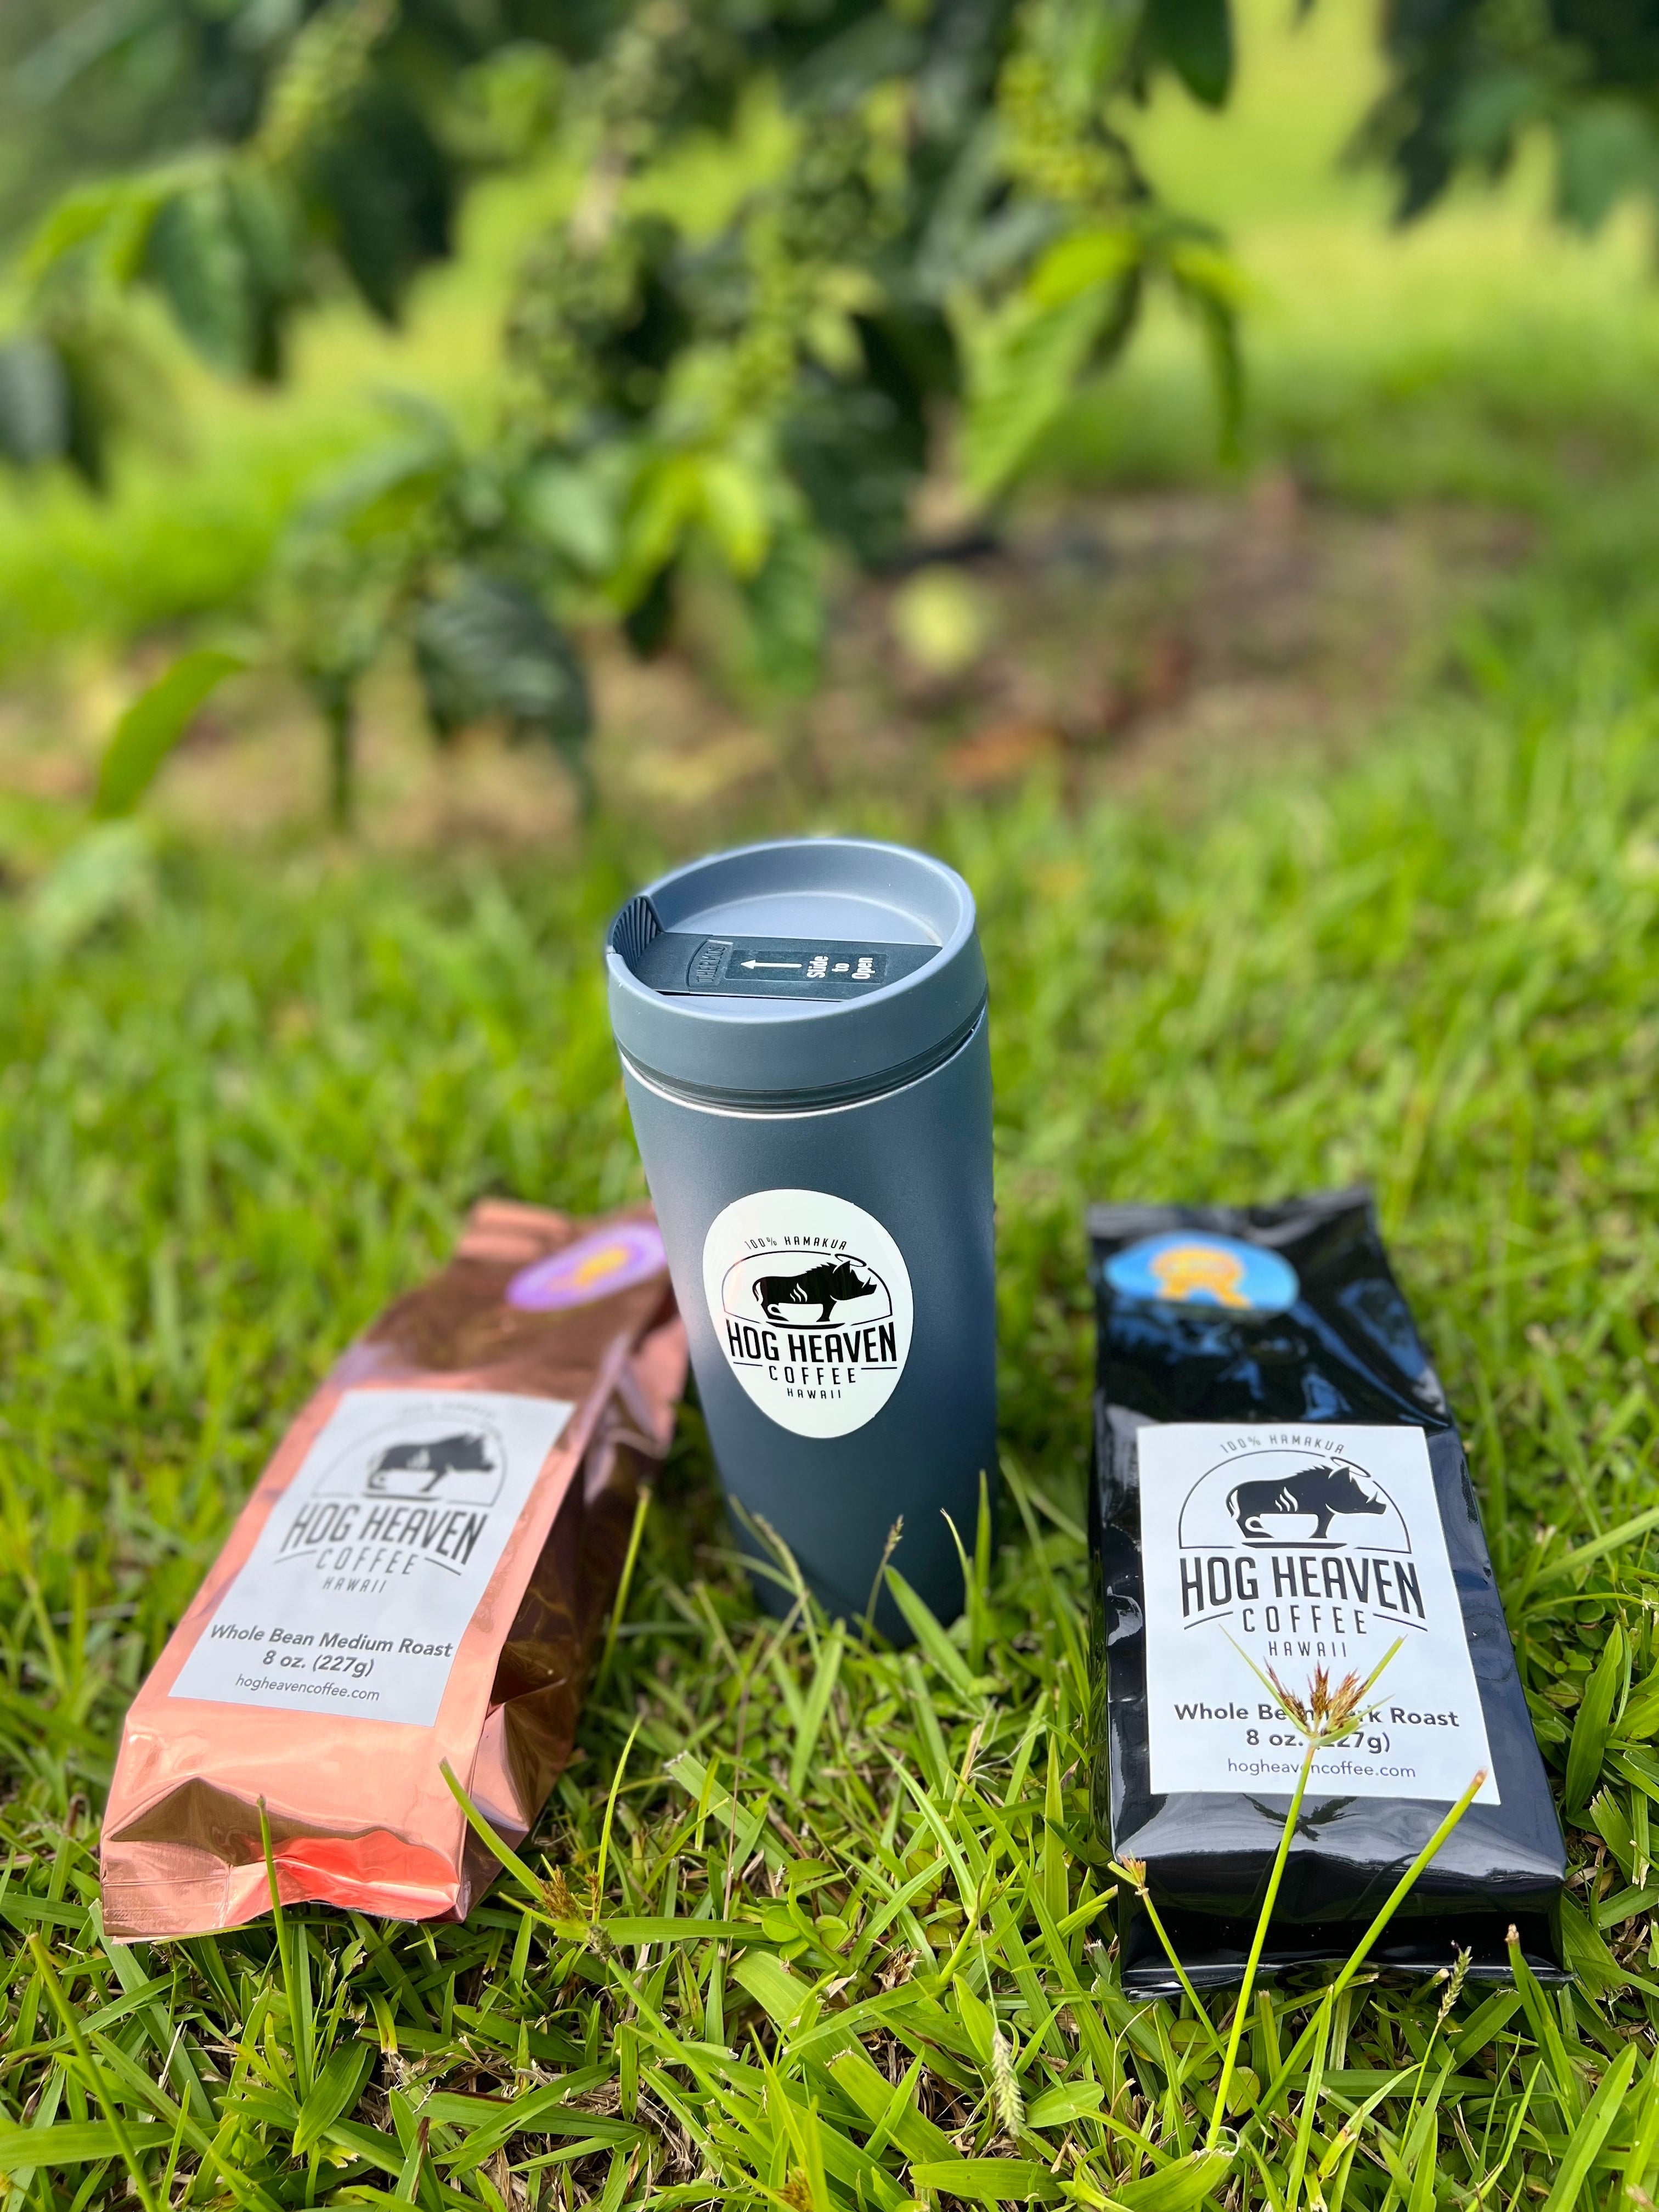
1591 2132
816 1708
1644 2137
575 511
977 2018
487 646
1023 365
196 258
1587 1954
1059 2108
1594 1725
1484 2023
388 491
107 871
1056 1893
883 2101
1639 1722
1607 149
782 1995
153 724
1569 2093
1184 2183
989 2180
73 2142
1611 1539
1080 260
924 1627
489 2123
1611 1822
737 510
110 220
34 403
333 2094
656 1928
786 602
1196 38
1417 2162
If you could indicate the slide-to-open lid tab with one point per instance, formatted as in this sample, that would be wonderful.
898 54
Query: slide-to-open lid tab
749 967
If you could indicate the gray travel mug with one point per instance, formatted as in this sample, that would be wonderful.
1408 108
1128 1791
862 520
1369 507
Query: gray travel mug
802 1027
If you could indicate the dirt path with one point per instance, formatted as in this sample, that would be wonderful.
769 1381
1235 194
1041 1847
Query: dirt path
1167 636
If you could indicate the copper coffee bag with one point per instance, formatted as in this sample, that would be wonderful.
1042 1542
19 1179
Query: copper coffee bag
416 1581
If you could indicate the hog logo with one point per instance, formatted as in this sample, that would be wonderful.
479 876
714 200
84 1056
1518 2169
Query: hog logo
1325 1492
832 1282
416 1469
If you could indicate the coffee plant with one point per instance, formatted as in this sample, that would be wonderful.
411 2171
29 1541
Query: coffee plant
1470 79
909 221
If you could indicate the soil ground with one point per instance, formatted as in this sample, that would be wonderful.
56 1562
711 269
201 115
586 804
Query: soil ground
1168 635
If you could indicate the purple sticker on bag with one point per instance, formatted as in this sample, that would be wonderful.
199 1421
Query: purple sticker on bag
612 1259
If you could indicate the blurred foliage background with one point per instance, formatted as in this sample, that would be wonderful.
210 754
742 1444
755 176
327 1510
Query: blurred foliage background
789 239
791 291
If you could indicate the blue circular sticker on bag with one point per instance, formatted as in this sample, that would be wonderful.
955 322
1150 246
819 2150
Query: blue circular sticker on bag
1185 1267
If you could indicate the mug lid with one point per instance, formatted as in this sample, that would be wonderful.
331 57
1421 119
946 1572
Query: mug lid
807 972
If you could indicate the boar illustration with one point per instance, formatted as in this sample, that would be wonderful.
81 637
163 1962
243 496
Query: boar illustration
1324 1492
830 1283
426 1465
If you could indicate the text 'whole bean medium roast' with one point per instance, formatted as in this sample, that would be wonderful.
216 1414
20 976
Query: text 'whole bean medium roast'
1278 1480
415 1583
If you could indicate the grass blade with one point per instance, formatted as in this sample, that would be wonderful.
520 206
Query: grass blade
1594 1725
816 1707
1591 2132
924 1627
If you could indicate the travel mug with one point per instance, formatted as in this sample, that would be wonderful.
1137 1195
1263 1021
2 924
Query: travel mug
802 1027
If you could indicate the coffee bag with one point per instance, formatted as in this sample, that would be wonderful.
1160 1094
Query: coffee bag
417 1581
1280 1486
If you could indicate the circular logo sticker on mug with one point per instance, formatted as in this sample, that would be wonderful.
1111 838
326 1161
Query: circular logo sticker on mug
810 1301
1185 1267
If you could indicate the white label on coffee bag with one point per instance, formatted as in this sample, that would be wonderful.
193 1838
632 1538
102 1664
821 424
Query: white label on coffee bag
1298 1548
355 1598
810 1301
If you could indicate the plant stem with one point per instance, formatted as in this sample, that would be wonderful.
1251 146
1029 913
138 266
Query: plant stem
340 719
1218 2115
1357 1957
1126 1875
1192 1998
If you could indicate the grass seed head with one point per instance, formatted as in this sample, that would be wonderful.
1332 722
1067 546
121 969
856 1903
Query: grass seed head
1326 1711
560 1900
1293 1705
1454 1981
1005 2085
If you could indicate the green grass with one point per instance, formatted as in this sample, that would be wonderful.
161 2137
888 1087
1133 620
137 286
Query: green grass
251 1107
239 1119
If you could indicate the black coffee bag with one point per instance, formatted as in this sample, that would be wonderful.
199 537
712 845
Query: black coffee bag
1280 1486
